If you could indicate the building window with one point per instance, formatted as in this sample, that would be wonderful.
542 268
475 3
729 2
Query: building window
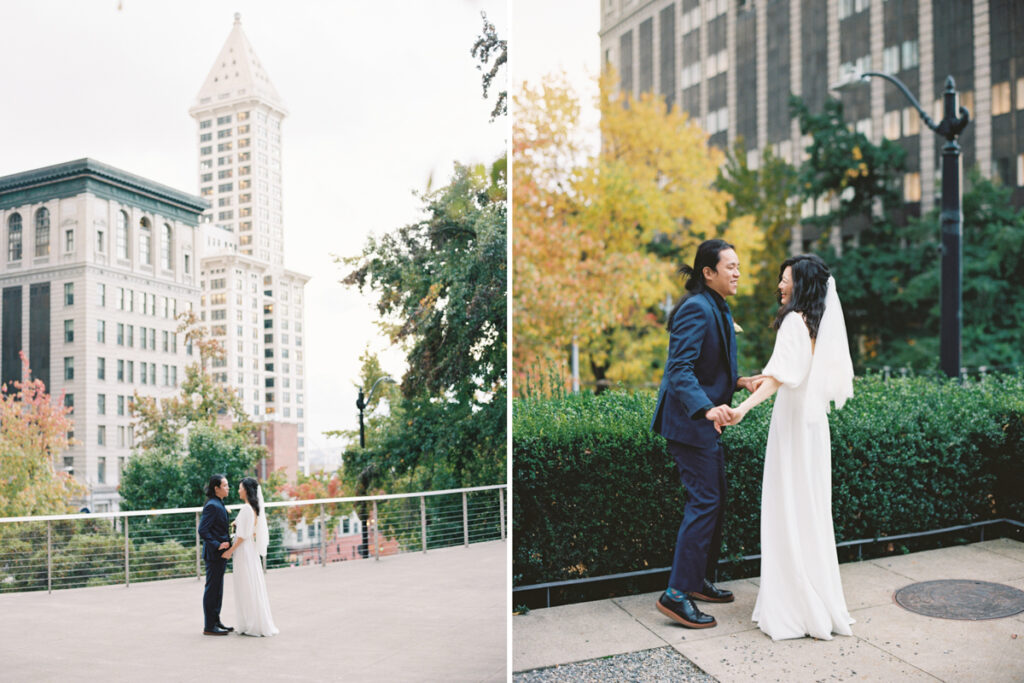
1020 170
120 378
101 331
120 405
1000 99
101 404
188 266
142 372
144 242
910 54
69 367
14 237
43 232
120 334
131 336
122 236
222 120
101 368
205 137
891 59
101 436
912 187
69 240
911 122
203 125
891 125
130 375
166 259
69 293
69 331
101 465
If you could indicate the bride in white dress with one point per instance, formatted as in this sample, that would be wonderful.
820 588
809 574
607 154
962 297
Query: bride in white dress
252 536
801 592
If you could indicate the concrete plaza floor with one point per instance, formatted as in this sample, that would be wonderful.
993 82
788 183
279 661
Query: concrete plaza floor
889 643
436 616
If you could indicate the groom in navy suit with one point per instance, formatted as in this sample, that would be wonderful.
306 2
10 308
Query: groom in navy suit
213 530
693 404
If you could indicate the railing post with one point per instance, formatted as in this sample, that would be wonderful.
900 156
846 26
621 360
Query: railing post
323 537
199 573
423 521
465 521
376 540
127 581
49 557
501 512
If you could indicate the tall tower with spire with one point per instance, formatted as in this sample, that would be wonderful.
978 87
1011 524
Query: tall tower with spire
250 302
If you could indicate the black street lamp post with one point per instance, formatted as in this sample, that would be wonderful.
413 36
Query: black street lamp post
369 472
361 404
951 215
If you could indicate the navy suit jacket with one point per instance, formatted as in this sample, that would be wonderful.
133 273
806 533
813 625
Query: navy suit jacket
213 528
700 371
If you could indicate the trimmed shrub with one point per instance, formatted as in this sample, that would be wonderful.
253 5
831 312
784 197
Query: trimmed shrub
596 493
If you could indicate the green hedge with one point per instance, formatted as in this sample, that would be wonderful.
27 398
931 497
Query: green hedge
595 492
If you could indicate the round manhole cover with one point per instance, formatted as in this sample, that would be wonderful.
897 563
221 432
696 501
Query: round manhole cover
961 599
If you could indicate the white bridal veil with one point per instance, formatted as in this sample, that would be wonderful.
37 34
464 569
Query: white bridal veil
831 374
262 531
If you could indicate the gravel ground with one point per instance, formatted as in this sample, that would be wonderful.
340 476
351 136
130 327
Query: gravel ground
661 664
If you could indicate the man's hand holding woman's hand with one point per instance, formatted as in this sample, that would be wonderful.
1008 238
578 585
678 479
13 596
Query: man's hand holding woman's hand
720 415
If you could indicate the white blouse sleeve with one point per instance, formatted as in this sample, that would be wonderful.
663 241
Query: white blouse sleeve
791 358
244 522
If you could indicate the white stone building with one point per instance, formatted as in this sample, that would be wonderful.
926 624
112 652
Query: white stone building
250 302
95 265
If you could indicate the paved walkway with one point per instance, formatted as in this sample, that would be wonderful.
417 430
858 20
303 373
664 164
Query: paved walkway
439 616
889 642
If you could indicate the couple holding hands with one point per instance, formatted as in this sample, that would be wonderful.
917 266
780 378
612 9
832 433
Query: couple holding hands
800 590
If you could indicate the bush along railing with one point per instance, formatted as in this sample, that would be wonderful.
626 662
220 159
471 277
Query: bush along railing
596 493
71 551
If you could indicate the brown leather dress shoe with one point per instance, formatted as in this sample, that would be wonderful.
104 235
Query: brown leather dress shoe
684 612
215 631
711 593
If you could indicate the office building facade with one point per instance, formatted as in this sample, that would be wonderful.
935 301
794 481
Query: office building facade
732 64
96 265
250 302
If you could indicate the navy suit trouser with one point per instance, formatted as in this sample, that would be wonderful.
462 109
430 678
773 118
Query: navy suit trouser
702 472
213 593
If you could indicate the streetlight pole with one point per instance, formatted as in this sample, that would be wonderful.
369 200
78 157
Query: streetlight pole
951 216
361 404
369 472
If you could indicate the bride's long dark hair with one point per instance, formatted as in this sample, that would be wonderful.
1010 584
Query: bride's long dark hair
250 485
810 284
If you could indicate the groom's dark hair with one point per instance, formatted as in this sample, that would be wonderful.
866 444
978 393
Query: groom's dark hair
213 483
707 256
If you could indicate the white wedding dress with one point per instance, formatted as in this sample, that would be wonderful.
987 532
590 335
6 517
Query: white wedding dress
800 592
252 607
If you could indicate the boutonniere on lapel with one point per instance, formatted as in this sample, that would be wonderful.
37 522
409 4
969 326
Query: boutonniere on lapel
736 327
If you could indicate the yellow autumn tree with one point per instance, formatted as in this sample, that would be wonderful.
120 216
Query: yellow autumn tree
597 238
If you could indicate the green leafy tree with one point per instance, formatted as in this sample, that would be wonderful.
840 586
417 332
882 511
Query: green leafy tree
441 286
188 437
489 45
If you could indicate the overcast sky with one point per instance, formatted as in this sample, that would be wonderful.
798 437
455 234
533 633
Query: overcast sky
550 37
381 97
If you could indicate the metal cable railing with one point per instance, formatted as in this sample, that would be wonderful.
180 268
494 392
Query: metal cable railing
72 551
